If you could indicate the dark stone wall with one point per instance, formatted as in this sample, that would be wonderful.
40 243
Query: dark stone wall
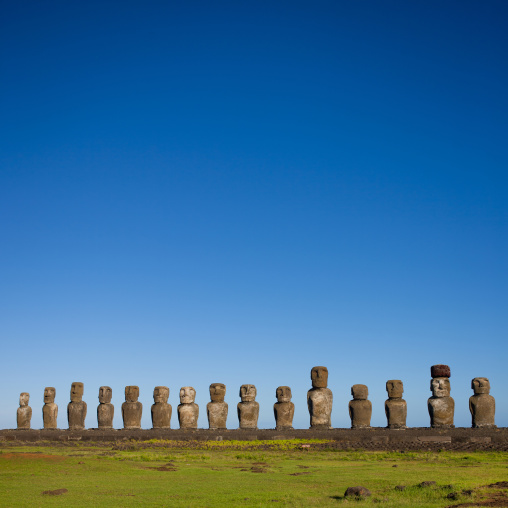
368 439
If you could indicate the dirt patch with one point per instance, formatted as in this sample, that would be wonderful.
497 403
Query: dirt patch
300 473
30 456
498 485
258 469
57 492
166 467
499 499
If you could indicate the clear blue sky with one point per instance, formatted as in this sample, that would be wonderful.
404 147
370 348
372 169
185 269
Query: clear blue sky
197 192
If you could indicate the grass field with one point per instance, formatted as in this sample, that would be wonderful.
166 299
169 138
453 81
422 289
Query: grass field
243 474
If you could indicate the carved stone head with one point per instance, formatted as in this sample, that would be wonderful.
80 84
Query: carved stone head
187 395
24 397
160 394
217 392
131 393
283 394
49 395
77 390
248 393
480 385
440 371
359 392
105 394
440 387
319 376
395 388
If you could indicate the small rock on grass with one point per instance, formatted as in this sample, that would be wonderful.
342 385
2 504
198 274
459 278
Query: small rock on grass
453 495
426 484
400 487
358 491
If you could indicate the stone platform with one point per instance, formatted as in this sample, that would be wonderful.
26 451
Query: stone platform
414 438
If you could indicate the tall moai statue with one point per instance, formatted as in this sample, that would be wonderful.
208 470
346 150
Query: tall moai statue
395 405
248 408
76 409
161 410
441 405
24 412
105 410
482 405
132 409
360 409
283 409
50 409
188 410
217 409
320 399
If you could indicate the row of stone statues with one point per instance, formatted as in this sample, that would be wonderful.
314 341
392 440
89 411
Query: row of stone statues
319 400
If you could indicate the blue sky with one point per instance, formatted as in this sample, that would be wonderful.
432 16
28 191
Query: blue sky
232 192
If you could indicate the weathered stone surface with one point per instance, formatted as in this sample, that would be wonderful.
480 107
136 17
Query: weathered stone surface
24 412
360 409
482 405
161 410
440 371
76 409
357 492
248 408
217 409
395 405
441 405
50 409
132 410
283 409
188 411
320 399
105 410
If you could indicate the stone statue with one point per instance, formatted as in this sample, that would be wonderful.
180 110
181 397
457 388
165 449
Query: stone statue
320 399
481 404
395 405
24 413
161 410
217 409
76 409
441 405
248 409
283 409
105 410
360 409
188 410
50 409
131 408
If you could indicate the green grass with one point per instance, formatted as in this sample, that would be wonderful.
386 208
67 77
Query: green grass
239 474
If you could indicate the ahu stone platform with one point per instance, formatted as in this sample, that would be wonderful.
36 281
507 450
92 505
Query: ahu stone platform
463 439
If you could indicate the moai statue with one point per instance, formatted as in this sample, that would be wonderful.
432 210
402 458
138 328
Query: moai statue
320 399
248 409
161 410
360 409
217 409
105 410
283 409
24 413
76 409
395 405
441 405
50 409
481 404
188 410
132 409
